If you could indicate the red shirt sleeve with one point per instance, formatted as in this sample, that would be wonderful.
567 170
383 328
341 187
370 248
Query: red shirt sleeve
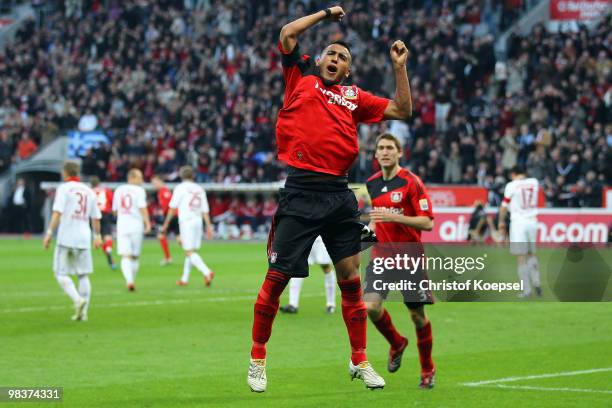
371 108
294 64
419 199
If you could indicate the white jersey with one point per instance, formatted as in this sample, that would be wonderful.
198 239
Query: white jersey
128 200
521 198
77 204
190 200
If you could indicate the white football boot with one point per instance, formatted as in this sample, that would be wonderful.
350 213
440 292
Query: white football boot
79 307
257 375
365 372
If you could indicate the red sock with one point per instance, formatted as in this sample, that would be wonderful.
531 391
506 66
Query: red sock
265 310
425 344
355 317
386 328
108 245
164 244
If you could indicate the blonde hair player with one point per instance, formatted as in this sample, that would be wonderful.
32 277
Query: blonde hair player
74 205
189 199
130 208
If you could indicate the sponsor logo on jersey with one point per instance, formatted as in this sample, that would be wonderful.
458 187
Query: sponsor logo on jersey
423 204
273 256
334 98
392 210
396 196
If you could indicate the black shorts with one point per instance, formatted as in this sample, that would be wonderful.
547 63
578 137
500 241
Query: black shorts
172 227
413 298
304 214
106 224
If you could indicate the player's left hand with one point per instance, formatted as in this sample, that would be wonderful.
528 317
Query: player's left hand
399 53
97 242
382 216
209 232
47 241
147 228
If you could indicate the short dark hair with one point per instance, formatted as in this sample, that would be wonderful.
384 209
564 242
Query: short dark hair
518 169
344 44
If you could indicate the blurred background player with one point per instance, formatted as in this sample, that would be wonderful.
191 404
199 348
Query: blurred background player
316 134
318 256
521 198
189 200
478 223
130 207
104 198
163 200
74 205
401 209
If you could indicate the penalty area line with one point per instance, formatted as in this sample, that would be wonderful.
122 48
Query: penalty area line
535 377
501 382
529 387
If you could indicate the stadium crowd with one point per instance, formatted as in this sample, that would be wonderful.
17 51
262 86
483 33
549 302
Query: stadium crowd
199 82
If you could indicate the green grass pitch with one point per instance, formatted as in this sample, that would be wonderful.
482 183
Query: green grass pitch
167 346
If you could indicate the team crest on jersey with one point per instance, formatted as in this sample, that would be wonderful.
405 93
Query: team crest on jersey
423 204
349 92
273 256
396 196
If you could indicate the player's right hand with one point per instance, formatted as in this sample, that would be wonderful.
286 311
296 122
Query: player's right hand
337 13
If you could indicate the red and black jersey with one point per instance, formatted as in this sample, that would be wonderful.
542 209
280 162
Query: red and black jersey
163 198
404 194
104 198
316 128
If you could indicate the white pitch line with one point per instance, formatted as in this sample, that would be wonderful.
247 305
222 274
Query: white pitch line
534 377
142 303
528 387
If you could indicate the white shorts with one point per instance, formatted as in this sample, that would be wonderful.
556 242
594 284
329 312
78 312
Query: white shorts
72 261
191 234
129 244
318 253
523 235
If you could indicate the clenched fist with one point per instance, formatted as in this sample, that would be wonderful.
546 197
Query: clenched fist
399 54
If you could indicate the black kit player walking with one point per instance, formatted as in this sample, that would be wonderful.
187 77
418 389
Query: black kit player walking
316 135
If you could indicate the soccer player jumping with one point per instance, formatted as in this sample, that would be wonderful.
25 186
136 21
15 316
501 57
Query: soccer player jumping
401 209
316 134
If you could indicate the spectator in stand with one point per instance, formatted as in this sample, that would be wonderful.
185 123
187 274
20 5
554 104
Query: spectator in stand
26 147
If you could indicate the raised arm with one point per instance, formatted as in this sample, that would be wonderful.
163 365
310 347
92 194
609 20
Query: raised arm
401 106
290 32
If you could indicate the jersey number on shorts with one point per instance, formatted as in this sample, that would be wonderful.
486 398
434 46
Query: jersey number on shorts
527 197
195 202
82 209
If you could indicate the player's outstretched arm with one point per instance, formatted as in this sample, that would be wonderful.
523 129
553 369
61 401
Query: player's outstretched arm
401 106
290 32
55 217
